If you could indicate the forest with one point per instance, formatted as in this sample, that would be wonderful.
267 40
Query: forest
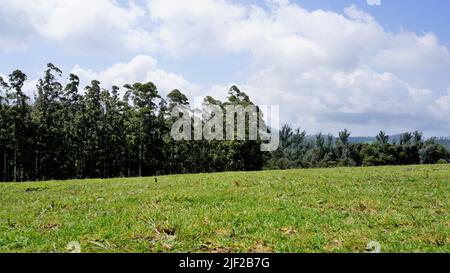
66 132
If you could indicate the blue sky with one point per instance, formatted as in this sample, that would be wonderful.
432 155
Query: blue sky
415 15
353 65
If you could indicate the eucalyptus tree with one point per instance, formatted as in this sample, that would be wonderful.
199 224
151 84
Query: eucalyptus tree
382 138
114 133
19 120
50 120
72 103
5 129
245 154
344 137
180 154
343 146
91 129
417 138
145 99
406 138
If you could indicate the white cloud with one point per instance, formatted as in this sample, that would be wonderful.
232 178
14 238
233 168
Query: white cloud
78 24
29 88
441 110
8 44
185 27
444 101
374 2
326 70
141 68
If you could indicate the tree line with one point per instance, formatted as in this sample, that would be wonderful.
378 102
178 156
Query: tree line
64 133
298 150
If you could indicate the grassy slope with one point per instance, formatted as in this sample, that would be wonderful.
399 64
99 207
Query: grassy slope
406 209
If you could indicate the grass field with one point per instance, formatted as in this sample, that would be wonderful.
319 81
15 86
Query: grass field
405 209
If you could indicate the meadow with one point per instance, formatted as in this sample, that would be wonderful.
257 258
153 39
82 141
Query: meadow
404 209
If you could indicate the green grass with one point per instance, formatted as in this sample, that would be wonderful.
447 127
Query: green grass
405 209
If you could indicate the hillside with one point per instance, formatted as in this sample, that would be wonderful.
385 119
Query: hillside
405 209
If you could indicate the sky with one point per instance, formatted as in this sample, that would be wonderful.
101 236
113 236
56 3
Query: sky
364 65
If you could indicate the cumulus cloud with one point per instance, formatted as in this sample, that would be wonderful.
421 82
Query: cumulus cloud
77 24
374 2
322 67
441 110
141 68
185 27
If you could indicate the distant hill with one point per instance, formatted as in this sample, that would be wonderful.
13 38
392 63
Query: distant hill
444 141
362 139
369 139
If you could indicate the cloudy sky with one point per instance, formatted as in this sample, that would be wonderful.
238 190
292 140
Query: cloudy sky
364 65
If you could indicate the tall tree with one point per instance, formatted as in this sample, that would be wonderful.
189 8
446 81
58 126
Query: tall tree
382 138
49 117
20 121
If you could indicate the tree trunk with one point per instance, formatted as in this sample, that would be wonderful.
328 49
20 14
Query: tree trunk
15 165
140 150
4 166
128 163
36 172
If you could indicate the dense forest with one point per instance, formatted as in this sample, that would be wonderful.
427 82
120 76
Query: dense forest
297 150
65 133
444 141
